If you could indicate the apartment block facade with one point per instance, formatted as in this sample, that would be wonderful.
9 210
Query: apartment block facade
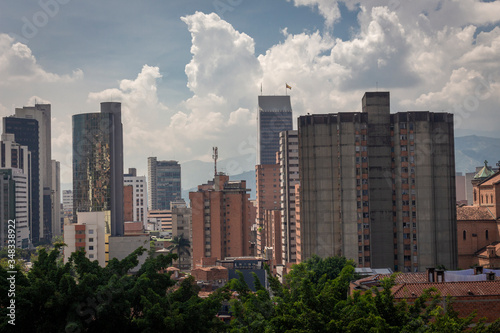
139 196
221 220
379 188
289 177
267 199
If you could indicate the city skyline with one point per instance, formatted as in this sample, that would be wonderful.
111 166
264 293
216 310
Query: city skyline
197 84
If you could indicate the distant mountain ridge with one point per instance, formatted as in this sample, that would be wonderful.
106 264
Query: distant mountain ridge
471 151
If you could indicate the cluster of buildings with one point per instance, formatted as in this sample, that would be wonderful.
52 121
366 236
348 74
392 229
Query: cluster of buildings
376 187
30 190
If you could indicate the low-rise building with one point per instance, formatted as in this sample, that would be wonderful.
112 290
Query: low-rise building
472 290
478 226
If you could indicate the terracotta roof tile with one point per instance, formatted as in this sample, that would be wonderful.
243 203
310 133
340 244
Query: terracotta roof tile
407 277
455 289
473 213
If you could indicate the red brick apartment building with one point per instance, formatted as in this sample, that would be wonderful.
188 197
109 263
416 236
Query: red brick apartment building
222 215
267 178
478 226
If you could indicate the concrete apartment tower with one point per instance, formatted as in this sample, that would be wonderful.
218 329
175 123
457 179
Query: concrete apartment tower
289 177
379 188
98 164
221 220
164 178
275 115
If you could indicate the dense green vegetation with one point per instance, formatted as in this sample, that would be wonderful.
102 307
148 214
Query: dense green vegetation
81 296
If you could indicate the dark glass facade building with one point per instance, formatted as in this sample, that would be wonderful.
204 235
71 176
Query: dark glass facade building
275 116
164 183
26 133
98 164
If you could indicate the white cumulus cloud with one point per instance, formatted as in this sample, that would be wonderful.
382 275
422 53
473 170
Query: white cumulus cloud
18 64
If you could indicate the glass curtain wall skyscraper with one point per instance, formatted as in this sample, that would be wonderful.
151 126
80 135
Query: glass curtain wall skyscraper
98 164
164 186
275 116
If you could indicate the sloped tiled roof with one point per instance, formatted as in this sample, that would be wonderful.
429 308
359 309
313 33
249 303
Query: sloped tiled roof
474 213
419 277
455 289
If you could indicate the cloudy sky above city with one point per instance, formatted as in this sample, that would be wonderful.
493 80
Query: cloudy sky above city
188 72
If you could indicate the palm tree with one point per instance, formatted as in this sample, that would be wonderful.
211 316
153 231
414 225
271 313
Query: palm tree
180 245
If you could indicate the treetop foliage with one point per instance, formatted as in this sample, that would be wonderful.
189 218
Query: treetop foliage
81 296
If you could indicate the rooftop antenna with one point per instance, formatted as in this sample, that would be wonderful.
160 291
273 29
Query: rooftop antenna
215 156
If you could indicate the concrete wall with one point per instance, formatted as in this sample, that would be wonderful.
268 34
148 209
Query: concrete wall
121 246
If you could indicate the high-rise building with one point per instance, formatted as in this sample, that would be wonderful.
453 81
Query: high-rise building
67 200
181 227
14 207
289 177
128 204
16 166
275 116
139 196
98 164
67 206
298 241
55 192
379 188
42 113
25 133
271 232
7 205
164 183
44 212
268 198
221 220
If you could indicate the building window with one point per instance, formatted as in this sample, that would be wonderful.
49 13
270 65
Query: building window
91 248
91 232
91 240
91 256
486 234
465 235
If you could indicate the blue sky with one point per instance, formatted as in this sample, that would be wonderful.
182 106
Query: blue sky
188 72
